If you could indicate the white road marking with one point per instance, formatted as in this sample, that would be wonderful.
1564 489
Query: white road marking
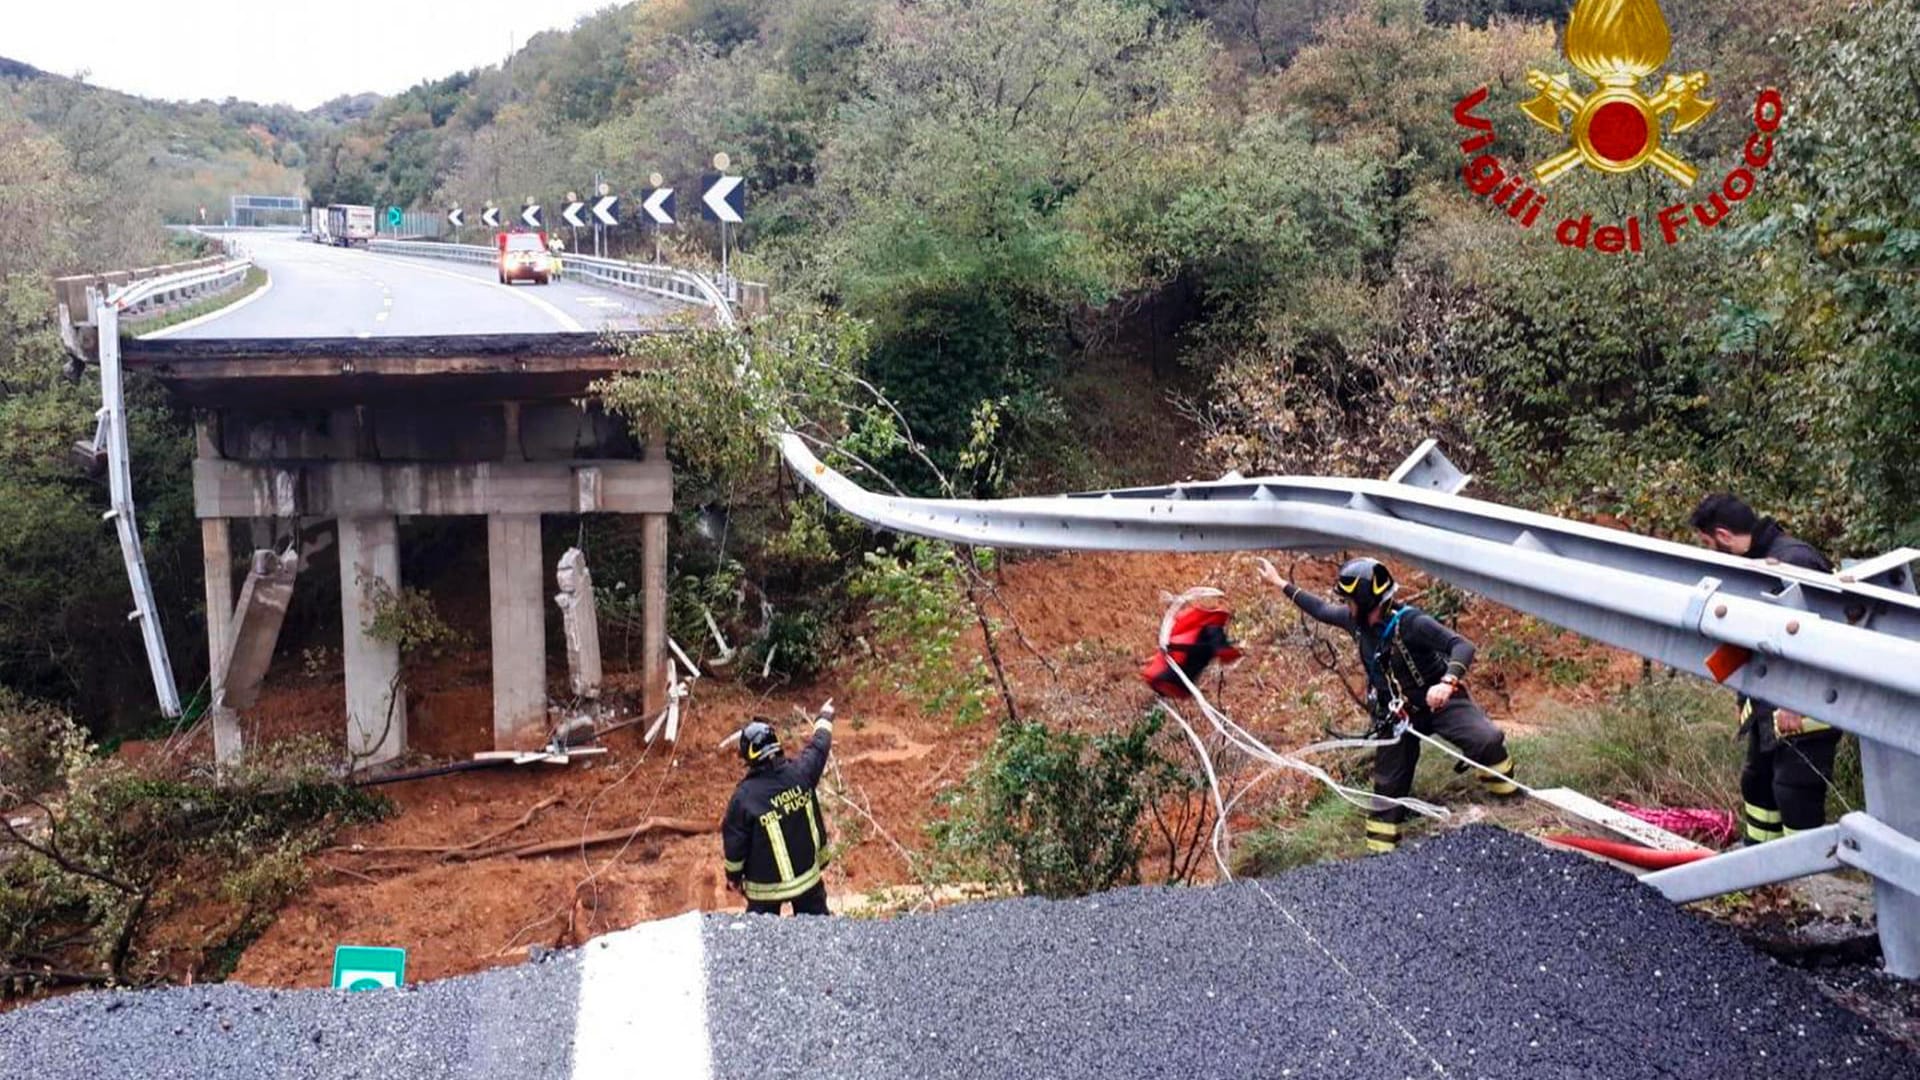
381 317
643 1003
566 321
209 316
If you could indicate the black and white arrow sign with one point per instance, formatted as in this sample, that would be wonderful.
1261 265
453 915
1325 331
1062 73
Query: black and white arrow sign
723 198
456 217
606 210
658 205
572 214
490 217
530 216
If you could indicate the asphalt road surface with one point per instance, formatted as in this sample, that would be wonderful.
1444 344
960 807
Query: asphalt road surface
318 291
1474 954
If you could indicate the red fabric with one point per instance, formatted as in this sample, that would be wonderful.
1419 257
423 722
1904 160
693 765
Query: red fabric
1714 827
1185 646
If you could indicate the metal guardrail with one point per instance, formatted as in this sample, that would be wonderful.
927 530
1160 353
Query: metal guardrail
1841 647
110 437
669 282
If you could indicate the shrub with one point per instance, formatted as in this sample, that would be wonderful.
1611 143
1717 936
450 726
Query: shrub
1059 812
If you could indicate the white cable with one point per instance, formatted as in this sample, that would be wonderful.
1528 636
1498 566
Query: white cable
1244 741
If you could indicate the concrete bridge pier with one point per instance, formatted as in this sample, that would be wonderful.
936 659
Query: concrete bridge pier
516 574
367 433
376 698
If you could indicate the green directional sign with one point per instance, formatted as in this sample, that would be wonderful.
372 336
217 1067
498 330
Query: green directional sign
363 967
394 216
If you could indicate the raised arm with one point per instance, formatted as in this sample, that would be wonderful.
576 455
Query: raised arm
1326 611
813 757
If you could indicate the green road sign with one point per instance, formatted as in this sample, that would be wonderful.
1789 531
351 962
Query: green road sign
393 216
361 967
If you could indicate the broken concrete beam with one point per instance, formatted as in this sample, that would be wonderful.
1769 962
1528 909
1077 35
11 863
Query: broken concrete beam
255 629
580 619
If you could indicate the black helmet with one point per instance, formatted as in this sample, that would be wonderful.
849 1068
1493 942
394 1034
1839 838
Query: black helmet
1367 582
759 743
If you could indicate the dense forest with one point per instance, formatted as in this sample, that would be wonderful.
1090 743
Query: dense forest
1003 192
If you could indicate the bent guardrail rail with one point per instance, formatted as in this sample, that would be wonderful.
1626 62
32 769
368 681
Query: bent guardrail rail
110 437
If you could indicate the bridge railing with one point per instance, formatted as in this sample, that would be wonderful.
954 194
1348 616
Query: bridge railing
668 282
142 291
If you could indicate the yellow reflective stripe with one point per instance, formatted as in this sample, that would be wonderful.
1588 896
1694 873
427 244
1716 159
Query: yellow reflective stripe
1808 725
770 821
1762 815
1759 835
1379 847
1383 828
1499 787
813 826
1505 768
734 867
823 724
785 890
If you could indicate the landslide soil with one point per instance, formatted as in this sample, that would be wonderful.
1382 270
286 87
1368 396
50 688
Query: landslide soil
1076 625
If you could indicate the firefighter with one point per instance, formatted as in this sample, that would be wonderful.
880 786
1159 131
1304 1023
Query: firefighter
1789 757
1414 669
774 837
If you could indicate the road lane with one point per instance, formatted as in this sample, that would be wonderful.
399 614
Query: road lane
321 291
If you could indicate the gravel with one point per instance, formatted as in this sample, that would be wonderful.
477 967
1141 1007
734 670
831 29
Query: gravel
1474 954
510 1022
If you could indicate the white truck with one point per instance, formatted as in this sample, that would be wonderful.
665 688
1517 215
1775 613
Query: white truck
348 225
317 228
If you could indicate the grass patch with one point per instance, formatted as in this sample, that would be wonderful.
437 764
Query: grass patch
1665 742
1329 828
255 280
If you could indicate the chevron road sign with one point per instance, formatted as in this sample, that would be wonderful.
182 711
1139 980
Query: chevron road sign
658 205
723 198
606 210
572 214
456 217
530 216
490 217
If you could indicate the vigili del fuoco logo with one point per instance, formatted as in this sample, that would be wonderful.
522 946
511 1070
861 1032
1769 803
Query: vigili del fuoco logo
1615 128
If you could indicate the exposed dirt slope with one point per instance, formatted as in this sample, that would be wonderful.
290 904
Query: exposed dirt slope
1093 617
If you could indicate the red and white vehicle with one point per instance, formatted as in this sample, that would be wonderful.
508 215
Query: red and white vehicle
525 256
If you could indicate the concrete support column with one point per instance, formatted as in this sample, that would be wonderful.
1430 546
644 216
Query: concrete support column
216 548
653 584
514 571
653 625
376 700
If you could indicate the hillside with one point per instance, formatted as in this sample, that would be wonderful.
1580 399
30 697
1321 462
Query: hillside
164 158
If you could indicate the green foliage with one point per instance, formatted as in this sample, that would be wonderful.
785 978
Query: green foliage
1665 742
407 619
1059 812
1328 828
716 412
115 846
1829 296
919 609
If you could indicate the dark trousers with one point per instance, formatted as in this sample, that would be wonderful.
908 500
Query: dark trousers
1461 723
1785 785
811 902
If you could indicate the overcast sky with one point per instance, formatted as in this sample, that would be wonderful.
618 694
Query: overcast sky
273 51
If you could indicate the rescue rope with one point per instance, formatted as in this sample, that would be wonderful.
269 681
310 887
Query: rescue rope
1247 743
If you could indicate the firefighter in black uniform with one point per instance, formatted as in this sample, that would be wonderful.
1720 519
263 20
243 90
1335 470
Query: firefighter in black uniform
1789 757
1414 666
774 837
